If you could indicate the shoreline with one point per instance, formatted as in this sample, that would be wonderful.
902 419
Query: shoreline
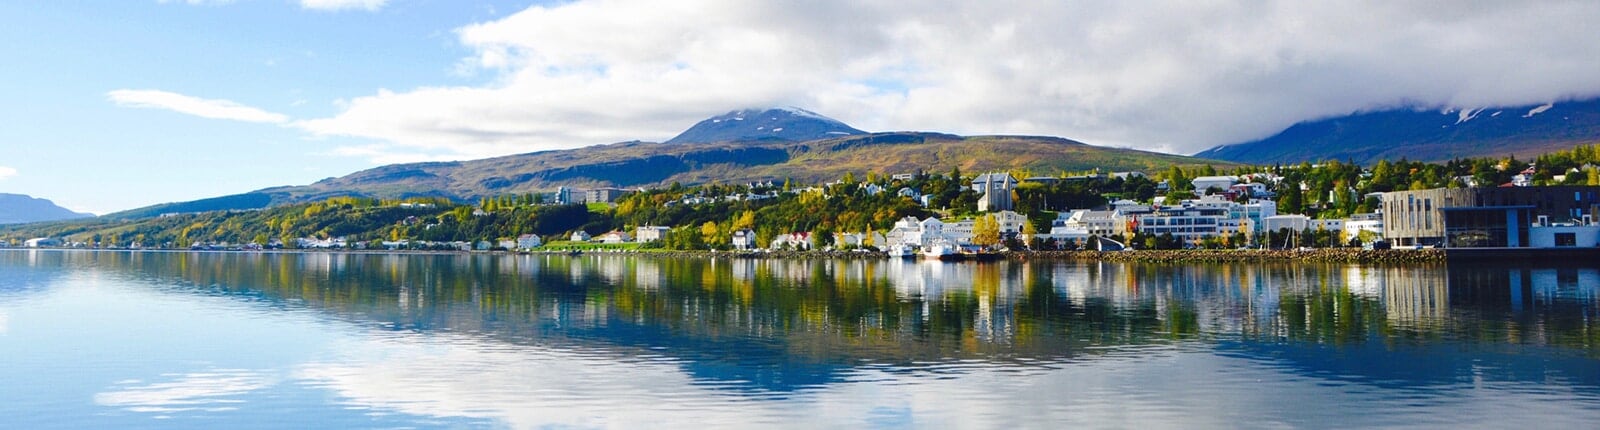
1327 255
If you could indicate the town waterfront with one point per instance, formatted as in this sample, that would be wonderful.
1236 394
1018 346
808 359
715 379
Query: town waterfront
125 339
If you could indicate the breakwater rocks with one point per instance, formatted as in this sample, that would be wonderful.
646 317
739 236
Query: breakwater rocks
1332 255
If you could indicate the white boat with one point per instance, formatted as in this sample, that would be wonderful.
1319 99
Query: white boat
940 251
901 251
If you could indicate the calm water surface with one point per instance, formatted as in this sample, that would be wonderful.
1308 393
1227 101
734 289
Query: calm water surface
200 340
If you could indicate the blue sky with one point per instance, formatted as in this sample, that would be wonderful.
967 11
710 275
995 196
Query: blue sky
121 104
67 141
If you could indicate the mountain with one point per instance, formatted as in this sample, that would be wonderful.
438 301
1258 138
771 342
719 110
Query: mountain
1425 135
18 208
784 124
695 160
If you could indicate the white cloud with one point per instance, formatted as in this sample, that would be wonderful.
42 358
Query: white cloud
7 172
215 390
1177 76
370 5
206 108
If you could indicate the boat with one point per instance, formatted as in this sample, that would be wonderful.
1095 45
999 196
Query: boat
941 251
901 251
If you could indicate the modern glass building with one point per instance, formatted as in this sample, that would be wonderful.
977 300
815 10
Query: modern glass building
1487 227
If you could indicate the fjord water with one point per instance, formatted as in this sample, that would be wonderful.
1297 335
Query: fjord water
250 340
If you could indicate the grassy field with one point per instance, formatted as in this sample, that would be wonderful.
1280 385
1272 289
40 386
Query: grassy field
567 245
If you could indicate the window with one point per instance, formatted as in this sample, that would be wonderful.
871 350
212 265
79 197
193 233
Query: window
1566 239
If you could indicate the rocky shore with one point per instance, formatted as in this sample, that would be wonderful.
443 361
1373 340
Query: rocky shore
1331 255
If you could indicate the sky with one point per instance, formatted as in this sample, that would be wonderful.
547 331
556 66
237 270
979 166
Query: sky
123 104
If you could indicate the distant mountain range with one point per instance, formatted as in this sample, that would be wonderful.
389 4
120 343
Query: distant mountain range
18 208
1425 135
733 148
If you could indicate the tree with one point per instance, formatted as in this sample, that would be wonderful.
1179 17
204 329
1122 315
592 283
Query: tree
985 231
709 233
1290 200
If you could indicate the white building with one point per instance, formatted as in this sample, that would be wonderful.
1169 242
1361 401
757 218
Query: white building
1010 222
529 241
1089 222
1185 222
1358 223
41 242
1564 236
1292 222
1203 183
579 236
650 233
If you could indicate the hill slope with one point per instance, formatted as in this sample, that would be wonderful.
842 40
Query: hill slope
1364 138
18 208
646 164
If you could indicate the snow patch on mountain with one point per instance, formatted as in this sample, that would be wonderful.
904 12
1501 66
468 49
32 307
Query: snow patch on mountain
1538 110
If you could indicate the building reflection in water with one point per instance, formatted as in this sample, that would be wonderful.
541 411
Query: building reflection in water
798 314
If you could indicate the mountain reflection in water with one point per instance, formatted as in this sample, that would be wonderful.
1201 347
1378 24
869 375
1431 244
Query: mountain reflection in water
472 335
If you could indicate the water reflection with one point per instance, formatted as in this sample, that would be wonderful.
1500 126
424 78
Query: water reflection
735 340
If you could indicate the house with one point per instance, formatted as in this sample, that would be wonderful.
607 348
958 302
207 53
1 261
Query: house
872 189
798 241
528 241
650 233
506 244
862 239
580 236
996 191
616 236
908 193
744 240
482 245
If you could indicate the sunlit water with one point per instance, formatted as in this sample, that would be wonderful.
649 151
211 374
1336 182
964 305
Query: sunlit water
201 340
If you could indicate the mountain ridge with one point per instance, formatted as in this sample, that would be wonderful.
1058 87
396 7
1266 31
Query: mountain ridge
21 208
647 164
1437 134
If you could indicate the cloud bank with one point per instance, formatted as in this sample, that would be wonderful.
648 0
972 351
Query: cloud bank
1168 75
7 172
205 108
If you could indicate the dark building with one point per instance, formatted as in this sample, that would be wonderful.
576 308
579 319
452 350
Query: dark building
1487 227
1419 217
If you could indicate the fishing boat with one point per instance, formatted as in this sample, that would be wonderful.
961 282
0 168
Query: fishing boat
901 251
